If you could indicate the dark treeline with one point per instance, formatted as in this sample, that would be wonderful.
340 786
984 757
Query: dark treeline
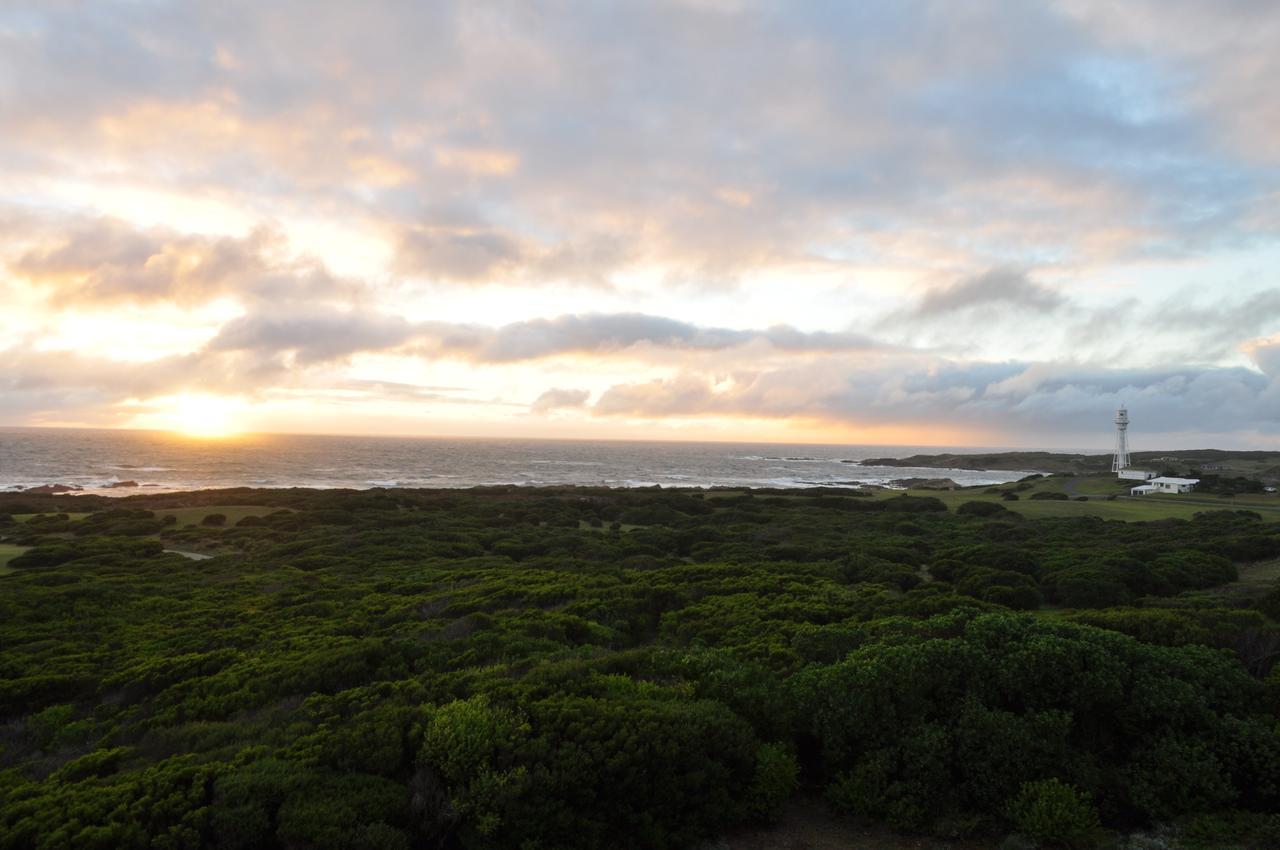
512 668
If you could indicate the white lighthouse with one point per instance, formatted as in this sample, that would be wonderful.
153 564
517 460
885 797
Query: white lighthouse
1121 460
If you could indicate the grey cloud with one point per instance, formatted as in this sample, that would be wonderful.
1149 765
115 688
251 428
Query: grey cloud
1193 324
611 333
103 260
312 337
1224 53
1267 356
995 288
456 255
597 333
1220 326
1023 403
557 398
319 335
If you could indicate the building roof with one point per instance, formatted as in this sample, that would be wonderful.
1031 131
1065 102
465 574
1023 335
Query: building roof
1163 480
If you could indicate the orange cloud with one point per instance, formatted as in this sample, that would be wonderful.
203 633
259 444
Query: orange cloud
479 161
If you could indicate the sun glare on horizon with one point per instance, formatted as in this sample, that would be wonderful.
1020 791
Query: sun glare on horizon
203 416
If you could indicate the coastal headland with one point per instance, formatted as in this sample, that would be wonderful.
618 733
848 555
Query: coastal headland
1263 464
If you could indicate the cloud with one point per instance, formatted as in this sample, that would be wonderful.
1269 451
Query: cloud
998 288
79 261
1224 54
710 140
1014 400
287 344
456 255
557 398
314 336
601 334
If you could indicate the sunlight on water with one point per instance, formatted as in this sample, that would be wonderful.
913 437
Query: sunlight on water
208 417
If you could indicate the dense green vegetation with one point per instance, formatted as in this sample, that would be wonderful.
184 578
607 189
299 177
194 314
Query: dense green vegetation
1194 462
572 668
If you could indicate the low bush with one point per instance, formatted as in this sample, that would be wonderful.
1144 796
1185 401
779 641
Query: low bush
1054 814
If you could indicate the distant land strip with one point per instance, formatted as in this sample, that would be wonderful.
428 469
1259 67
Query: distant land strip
1263 464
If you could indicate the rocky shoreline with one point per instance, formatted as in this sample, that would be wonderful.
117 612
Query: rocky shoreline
57 489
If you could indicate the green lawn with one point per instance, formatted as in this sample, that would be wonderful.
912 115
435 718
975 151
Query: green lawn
1124 508
1097 488
190 516
1255 579
8 552
72 515
1091 485
233 513
1262 574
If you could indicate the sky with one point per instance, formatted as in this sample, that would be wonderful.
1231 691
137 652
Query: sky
899 222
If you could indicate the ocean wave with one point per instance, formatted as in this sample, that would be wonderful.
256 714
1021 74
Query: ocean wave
568 462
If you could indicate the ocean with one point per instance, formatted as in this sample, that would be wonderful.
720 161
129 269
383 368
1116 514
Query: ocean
156 461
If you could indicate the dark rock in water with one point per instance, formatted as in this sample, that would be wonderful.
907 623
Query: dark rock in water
123 484
45 489
925 483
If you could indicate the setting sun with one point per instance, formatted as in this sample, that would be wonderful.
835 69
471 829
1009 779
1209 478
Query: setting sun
204 416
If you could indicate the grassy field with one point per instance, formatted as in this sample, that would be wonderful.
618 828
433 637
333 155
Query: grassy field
233 513
1264 574
7 553
77 515
190 516
1097 488
1256 580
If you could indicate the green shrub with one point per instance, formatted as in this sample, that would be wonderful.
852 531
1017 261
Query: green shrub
981 509
915 504
776 780
1055 814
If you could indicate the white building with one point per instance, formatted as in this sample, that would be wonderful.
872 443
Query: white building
1165 485
1136 474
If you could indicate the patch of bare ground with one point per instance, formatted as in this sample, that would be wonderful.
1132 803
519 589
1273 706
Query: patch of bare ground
810 825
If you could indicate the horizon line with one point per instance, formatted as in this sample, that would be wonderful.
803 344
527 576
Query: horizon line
501 437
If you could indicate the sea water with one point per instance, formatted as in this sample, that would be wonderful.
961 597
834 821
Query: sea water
159 461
